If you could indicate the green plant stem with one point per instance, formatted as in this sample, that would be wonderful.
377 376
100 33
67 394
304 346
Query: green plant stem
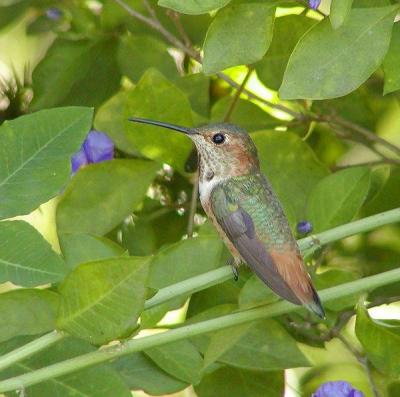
188 331
214 277
30 348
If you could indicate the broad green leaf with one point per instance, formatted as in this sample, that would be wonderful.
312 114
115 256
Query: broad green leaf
180 359
101 195
287 32
185 259
265 346
235 382
26 258
76 72
35 156
329 63
100 381
80 248
156 98
102 300
27 312
141 373
380 341
340 11
138 53
255 293
337 198
246 114
240 34
193 7
391 62
291 166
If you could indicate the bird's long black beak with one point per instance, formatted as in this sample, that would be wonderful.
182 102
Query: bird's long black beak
187 131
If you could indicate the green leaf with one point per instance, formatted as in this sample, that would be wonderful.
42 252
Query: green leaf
27 312
222 341
391 62
340 11
246 114
185 259
291 166
83 72
102 300
337 198
287 32
265 346
234 382
80 248
35 156
332 277
156 98
180 359
141 373
26 258
380 341
255 293
12 12
101 195
329 63
240 34
193 7
99 381
110 117
138 53
197 88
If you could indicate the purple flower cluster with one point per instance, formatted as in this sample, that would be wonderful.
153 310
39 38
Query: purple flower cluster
96 148
304 227
314 4
337 389
54 13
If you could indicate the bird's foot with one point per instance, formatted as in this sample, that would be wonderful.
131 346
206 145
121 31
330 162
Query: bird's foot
235 268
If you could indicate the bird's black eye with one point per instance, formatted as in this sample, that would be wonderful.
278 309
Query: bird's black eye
218 138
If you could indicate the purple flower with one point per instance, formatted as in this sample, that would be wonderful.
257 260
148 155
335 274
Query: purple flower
54 13
304 227
96 148
337 389
314 4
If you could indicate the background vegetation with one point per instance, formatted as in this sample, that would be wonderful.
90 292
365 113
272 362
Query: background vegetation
89 255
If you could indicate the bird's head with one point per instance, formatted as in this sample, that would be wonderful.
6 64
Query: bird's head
227 148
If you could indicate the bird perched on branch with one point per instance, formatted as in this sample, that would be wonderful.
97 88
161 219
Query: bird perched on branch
240 202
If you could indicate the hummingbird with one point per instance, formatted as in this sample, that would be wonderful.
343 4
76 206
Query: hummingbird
240 202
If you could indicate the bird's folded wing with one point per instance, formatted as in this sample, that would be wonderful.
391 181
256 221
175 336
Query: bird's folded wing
241 231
